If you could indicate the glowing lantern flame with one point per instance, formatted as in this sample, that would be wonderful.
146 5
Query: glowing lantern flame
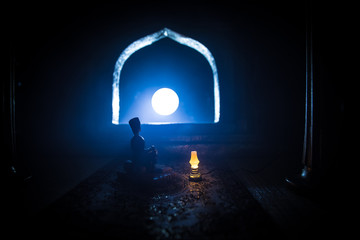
194 161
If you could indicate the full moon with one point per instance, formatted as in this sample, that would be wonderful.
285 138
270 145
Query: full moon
165 101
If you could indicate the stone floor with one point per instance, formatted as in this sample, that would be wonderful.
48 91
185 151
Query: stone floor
112 204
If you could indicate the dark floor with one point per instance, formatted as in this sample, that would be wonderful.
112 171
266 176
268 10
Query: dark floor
241 197
299 215
112 204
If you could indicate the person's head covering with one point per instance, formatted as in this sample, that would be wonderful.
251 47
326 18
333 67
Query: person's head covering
135 125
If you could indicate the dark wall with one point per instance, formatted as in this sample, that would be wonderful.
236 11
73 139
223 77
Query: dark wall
65 57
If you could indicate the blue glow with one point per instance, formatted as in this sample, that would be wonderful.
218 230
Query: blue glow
148 40
165 101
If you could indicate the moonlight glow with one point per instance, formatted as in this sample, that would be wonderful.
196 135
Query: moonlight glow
165 101
148 40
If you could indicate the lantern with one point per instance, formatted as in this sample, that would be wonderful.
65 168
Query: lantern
194 162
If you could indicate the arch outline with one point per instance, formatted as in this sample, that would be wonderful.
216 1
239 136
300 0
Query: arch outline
148 40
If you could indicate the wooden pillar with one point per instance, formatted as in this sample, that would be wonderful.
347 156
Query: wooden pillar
305 180
8 118
308 146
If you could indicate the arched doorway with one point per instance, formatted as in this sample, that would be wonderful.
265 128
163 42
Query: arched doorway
150 39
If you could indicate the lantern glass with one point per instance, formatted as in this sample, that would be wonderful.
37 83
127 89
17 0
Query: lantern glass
194 162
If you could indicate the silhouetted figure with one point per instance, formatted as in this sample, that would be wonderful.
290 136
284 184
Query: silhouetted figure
143 159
